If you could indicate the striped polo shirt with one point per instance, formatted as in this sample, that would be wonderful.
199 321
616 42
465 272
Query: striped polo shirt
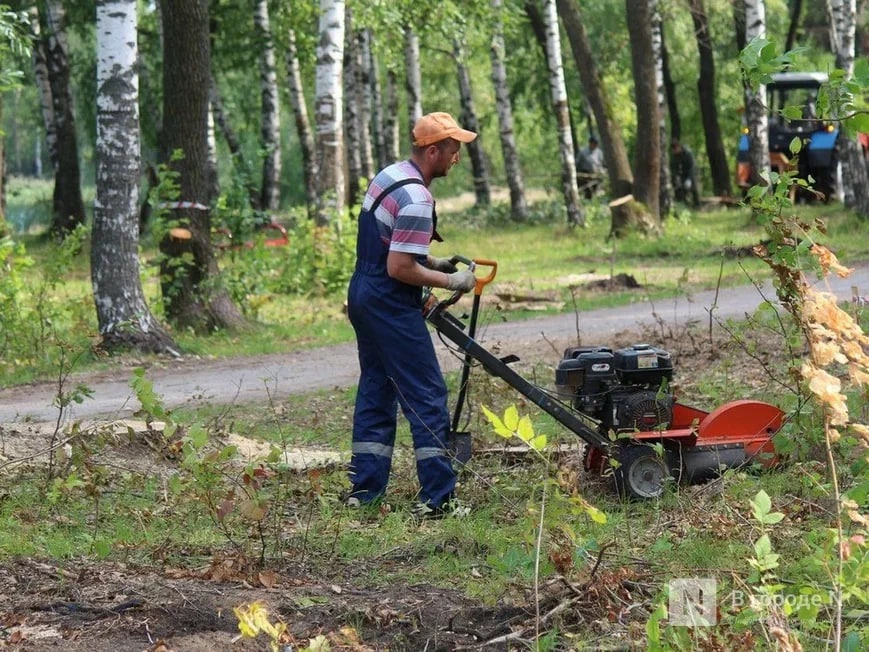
404 217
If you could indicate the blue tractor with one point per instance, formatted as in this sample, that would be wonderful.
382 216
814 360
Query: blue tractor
818 158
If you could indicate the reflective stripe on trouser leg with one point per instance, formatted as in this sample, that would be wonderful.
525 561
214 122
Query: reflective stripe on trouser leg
373 426
422 393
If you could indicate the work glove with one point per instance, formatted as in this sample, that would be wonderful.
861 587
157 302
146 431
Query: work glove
446 265
463 281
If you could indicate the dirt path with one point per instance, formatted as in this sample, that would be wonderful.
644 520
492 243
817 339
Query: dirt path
255 379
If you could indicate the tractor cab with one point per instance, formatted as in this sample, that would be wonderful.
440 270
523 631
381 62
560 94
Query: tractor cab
818 158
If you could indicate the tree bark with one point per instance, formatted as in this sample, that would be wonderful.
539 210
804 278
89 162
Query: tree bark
378 122
843 19
512 167
189 269
270 128
391 137
468 120
125 321
67 203
329 104
794 25
666 187
755 108
412 79
670 91
352 135
647 153
43 87
615 154
303 125
708 94
366 73
558 91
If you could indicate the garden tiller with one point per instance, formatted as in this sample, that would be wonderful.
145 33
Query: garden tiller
620 403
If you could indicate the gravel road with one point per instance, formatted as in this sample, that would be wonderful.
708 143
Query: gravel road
254 379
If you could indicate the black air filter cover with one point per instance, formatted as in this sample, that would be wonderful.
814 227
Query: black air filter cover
642 364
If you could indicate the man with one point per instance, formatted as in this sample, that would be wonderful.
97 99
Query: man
384 302
590 168
683 173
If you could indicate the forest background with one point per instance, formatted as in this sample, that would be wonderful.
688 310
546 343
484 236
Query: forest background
263 173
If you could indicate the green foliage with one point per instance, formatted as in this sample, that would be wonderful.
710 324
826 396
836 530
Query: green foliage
14 47
39 323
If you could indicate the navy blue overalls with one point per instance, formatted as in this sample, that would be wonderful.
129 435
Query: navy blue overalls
398 366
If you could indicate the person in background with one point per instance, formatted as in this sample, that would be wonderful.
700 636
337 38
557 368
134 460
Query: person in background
397 361
684 173
590 168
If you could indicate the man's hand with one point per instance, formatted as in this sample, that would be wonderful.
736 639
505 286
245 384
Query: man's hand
446 265
463 281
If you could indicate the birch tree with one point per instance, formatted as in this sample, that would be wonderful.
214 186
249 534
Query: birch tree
558 90
378 120
329 102
504 107
412 78
391 137
366 79
352 97
665 191
303 124
843 18
755 107
468 120
270 125
122 313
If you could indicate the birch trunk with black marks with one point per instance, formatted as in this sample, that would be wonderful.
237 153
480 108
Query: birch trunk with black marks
504 107
303 124
855 184
412 79
125 321
270 128
755 100
558 91
378 121
352 95
391 137
329 103
366 73
468 120
665 192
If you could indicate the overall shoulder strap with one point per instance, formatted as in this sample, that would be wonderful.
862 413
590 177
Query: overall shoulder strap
389 189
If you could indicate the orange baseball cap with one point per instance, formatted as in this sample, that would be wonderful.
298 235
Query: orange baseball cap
435 127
